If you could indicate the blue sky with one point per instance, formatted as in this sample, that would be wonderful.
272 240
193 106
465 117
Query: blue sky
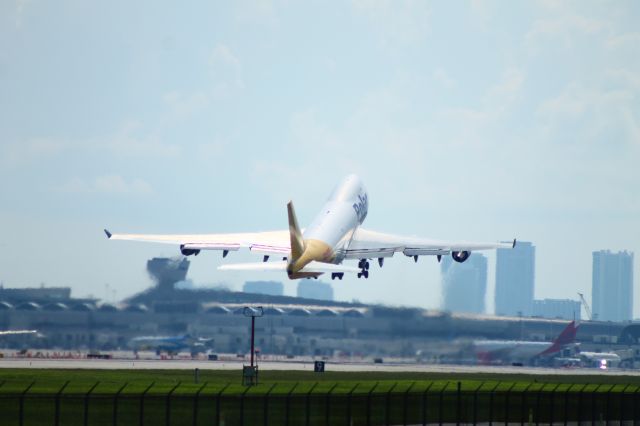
475 120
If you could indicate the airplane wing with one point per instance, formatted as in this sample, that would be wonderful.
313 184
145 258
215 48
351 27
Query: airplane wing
312 267
11 332
270 242
371 244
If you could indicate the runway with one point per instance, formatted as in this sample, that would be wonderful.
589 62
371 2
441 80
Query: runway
115 364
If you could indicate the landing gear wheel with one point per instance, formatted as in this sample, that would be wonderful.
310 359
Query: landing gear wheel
366 274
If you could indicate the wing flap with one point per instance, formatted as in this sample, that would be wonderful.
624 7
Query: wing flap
371 244
275 242
312 267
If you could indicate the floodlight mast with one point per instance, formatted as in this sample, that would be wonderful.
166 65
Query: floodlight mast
253 312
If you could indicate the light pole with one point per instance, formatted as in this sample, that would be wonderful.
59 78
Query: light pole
250 374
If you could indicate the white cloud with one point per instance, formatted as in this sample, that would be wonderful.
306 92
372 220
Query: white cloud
184 105
18 153
443 78
21 5
107 184
562 28
398 21
226 69
128 142
625 40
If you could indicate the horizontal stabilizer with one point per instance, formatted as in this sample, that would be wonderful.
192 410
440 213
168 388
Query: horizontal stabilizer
257 266
312 267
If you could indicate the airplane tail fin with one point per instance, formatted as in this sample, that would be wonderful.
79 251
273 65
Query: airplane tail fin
566 337
297 243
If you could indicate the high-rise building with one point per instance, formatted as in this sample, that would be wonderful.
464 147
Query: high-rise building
612 286
312 289
464 285
273 288
557 308
515 271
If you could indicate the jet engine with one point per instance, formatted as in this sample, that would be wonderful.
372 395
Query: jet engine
188 252
460 256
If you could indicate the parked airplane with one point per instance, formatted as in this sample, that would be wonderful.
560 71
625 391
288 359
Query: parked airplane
500 351
334 236
170 344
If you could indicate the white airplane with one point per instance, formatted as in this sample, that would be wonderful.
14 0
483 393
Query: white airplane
497 351
333 237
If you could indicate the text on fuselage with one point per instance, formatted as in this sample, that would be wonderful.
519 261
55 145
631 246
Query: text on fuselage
361 207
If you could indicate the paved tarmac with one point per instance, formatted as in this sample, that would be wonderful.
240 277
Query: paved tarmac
116 364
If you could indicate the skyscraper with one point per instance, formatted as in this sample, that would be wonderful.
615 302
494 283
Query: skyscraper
515 271
464 284
612 286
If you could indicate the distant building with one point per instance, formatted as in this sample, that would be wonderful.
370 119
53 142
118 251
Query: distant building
557 308
312 289
612 286
464 284
515 272
272 288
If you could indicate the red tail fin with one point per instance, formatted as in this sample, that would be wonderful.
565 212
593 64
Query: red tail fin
567 336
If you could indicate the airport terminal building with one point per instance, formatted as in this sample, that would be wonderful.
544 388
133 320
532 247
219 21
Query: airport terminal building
290 325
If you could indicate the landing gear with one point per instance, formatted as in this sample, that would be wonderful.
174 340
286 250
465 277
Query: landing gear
364 266
337 275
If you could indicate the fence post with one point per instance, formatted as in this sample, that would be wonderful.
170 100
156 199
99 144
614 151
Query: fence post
22 395
475 403
404 407
387 407
287 405
56 419
266 405
440 409
308 404
506 405
115 404
168 404
327 406
635 405
551 405
424 404
580 392
491 404
523 413
593 405
538 396
195 404
607 409
86 404
566 404
142 402
349 403
622 403
369 403
242 405
458 403
218 403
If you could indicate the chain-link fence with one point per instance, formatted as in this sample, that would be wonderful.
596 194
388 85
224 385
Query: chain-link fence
384 403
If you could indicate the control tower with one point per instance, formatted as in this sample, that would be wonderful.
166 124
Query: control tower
166 271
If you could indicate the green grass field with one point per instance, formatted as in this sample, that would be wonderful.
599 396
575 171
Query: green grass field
152 397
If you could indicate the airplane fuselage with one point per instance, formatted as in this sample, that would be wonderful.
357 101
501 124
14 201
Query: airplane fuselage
332 229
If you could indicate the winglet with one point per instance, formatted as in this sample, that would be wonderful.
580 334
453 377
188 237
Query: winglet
514 243
109 234
297 243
